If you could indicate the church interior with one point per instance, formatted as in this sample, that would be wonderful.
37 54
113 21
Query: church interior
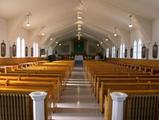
79 60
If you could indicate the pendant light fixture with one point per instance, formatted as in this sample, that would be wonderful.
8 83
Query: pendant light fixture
107 38
130 24
79 19
115 33
28 19
51 39
79 15
42 33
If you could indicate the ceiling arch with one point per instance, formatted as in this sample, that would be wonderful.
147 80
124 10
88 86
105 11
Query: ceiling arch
60 16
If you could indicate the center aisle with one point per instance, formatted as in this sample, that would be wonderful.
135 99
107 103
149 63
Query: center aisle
77 101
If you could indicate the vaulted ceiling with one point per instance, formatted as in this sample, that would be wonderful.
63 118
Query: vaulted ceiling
60 16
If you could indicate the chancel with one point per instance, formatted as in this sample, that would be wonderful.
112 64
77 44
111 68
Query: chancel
79 60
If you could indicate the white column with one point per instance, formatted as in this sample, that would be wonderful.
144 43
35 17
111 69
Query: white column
118 100
38 105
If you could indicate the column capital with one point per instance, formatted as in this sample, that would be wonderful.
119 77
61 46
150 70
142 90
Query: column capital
38 96
118 96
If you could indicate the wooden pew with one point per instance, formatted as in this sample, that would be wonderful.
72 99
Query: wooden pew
144 65
32 77
38 80
110 75
123 86
128 103
122 79
122 75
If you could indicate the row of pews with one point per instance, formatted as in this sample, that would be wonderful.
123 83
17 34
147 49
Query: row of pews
110 81
151 66
17 82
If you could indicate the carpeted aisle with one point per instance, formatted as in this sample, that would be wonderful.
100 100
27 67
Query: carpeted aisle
77 101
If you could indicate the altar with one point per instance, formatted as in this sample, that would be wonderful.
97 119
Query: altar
79 59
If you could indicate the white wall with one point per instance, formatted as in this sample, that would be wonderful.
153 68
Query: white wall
155 37
147 31
91 47
10 30
142 30
3 34
65 48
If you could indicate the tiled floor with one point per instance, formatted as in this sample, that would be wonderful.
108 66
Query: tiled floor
77 101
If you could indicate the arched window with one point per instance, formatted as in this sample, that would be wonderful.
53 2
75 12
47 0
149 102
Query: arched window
18 47
139 49
107 52
35 49
122 50
23 48
135 49
113 52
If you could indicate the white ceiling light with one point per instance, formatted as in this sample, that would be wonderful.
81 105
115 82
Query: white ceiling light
101 43
60 44
42 34
79 19
106 39
51 39
56 42
79 22
79 15
79 29
79 25
97 45
115 33
28 20
130 24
